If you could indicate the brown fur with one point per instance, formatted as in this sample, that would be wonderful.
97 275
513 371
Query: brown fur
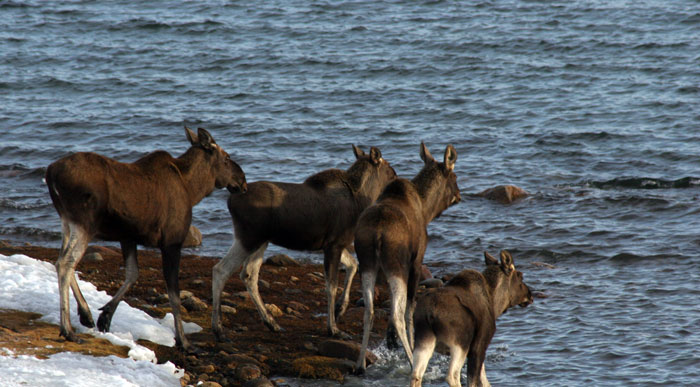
462 316
391 235
319 214
147 202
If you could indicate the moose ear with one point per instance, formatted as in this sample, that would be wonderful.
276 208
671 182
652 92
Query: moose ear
450 157
375 155
205 139
358 152
507 262
489 259
191 136
425 153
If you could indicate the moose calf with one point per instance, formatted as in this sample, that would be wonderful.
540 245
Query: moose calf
462 316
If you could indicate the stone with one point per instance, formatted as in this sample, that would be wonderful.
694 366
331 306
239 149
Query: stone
344 350
205 369
259 382
208 383
322 367
504 194
228 309
431 283
193 238
297 305
246 372
281 260
93 257
194 304
274 310
184 294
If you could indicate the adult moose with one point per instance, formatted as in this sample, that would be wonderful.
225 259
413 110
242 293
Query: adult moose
391 235
319 214
148 202
462 316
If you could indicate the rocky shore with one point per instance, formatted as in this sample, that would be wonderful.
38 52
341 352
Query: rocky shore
295 294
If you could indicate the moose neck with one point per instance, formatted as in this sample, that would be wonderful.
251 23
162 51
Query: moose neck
495 283
430 189
364 187
196 174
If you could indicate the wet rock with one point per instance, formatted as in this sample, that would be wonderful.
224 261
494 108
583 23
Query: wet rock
259 382
246 372
193 238
281 260
205 369
194 304
431 283
504 194
208 384
344 350
322 367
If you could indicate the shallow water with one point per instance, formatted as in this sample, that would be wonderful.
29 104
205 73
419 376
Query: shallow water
590 106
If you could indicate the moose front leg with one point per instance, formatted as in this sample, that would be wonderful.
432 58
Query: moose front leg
331 261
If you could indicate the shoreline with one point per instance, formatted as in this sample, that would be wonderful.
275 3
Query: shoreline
253 355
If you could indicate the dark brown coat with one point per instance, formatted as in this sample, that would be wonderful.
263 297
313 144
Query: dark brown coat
319 214
392 235
462 316
148 202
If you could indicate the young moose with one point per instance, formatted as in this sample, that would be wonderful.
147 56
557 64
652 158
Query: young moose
148 202
462 316
391 235
319 214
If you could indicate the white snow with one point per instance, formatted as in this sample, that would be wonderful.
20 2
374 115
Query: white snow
31 285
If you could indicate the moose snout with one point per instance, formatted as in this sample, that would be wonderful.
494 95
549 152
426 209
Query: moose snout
527 300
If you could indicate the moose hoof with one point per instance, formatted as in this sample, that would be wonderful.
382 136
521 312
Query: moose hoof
359 371
221 337
273 326
103 322
71 336
338 334
86 320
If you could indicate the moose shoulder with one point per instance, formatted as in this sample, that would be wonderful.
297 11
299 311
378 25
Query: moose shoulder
147 202
462 316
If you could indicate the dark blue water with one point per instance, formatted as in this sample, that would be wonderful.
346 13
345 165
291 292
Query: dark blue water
591 106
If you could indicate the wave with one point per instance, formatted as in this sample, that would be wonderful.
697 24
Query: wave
645 183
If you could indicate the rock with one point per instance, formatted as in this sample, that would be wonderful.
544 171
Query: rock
344 350
274 310
297 305
198 283
504 194
193 238
544 265
228 309
259 382
263 283
431 283
205 369
281 260
194 304
93 257
184 294
246 372
425 273
208 384
321 367
100 250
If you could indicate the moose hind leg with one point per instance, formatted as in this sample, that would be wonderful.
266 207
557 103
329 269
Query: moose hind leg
131 275
454 372
221 272
171 267
249 275
398 312
350 264
71 252
331 261
369 278
422 353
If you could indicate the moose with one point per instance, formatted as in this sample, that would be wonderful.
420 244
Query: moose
391 235
462 316
148 202
319 214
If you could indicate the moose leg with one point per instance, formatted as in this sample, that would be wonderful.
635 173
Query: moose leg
83 308
350 265
132 273
413 280
171 267
454 372
331 261
71 253
422 353
369 279
398 312
221 272
249 275
482 378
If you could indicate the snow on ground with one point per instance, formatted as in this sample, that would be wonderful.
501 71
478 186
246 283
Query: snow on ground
31 285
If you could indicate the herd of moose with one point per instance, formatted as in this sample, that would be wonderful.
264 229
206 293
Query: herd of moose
149 202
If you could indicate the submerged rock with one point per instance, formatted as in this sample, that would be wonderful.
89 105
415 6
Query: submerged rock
504 194
322 367
344 350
